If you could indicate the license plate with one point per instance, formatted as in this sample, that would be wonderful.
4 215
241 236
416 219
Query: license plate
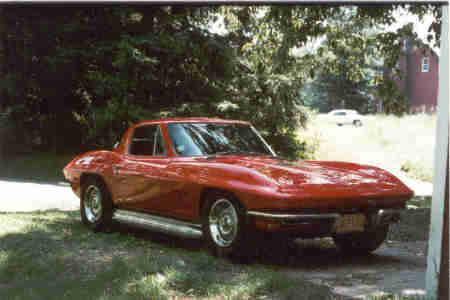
350 223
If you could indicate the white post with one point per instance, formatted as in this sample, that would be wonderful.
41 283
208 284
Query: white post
439 175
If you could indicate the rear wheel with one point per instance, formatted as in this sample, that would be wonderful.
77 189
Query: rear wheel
223 224
362 243
95 204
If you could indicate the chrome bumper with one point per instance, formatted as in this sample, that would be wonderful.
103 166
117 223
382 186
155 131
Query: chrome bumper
378 218
294 217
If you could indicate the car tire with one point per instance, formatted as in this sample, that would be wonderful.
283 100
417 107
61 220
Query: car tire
95 204
361 243
223 224
339 124
357 123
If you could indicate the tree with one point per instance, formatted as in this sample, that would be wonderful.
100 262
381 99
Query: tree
91 70
355 56
103 67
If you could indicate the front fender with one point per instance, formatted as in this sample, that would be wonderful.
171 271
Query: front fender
245 183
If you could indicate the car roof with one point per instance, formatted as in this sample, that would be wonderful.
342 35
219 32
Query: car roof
189 120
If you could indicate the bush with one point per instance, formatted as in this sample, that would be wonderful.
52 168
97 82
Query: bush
14 138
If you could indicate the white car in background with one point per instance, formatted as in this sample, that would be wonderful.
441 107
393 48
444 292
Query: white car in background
345 116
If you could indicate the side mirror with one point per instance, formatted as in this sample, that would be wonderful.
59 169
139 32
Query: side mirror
116 145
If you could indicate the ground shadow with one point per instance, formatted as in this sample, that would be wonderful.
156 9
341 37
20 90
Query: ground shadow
59 255
55 182
304 254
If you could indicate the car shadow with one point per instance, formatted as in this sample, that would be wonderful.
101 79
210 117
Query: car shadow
165 240
302 254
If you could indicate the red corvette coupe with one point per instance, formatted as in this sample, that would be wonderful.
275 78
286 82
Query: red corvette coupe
219 179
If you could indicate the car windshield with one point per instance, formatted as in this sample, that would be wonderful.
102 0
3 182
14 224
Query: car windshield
198 139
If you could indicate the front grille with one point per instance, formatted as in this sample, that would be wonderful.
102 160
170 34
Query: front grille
348 210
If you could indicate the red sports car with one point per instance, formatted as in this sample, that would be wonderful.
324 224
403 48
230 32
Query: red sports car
219 179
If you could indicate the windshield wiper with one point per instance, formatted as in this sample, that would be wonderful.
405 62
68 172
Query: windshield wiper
221 153
254 153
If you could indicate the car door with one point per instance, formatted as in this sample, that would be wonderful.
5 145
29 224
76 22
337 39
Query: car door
340 117
139 170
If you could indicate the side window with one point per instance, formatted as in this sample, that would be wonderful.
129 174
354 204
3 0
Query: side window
159 149
339 113
148 141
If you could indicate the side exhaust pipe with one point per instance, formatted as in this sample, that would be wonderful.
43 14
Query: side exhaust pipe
159 224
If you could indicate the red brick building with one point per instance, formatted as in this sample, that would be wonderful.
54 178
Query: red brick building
419 65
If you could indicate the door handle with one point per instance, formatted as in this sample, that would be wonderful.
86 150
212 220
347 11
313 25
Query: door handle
115 168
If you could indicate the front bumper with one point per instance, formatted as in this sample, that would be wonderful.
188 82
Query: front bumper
318 224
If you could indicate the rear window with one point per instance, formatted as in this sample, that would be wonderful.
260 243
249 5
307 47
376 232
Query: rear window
147 141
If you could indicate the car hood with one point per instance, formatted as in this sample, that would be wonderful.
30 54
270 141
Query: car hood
310 176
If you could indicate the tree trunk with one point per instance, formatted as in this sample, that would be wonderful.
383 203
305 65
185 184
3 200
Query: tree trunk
409 77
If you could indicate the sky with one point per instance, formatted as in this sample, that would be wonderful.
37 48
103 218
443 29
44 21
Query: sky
420 27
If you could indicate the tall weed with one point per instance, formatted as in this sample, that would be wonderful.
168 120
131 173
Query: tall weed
390 142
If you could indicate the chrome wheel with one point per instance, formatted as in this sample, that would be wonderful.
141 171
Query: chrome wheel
223 222
93 203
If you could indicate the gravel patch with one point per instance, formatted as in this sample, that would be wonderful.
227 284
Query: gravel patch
413 226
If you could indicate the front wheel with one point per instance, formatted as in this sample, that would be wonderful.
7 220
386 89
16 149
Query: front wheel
357 123
95 204
362 243
223 224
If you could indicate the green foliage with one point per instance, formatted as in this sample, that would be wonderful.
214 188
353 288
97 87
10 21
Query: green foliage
12 135
396 101
82 74
265 89
35 166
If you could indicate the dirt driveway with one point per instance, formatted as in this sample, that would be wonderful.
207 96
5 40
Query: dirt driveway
20 196
395 268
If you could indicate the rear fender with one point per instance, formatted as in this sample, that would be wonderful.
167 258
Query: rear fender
98 163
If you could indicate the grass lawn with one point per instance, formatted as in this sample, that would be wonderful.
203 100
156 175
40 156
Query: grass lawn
51 255
394 143
35 166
